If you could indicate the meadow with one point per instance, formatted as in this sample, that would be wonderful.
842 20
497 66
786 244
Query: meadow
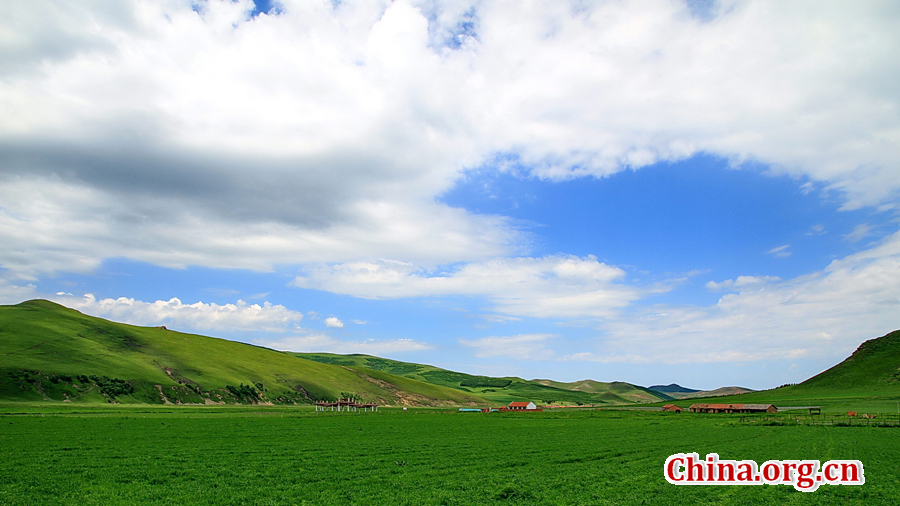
80 454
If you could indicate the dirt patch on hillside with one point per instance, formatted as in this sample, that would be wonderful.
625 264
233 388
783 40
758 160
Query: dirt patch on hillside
401 397
162 395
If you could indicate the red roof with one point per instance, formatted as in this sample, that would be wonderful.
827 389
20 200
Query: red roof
519 404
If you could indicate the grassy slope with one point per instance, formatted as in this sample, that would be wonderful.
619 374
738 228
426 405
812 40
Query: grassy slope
867 380
46 337
585 392
873 367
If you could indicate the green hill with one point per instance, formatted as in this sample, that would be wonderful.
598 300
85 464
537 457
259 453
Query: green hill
50 352
869 379
499 390
873 367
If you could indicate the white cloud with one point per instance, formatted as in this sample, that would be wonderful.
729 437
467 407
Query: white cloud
13 293
149 131
741 282
180 316
499 318
327 344
780 251
522 346
552 286
818 229
50 225
858 232
333 322
822 314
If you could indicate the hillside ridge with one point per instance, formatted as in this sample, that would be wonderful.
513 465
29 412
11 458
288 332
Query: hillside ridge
49 352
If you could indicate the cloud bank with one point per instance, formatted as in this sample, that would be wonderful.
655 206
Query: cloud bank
323 136
184 133
327 344
821 314
553 286
178 315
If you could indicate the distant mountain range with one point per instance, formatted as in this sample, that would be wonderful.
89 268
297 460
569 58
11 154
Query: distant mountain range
52 353
679 392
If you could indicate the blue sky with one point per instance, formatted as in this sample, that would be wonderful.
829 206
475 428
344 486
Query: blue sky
677 192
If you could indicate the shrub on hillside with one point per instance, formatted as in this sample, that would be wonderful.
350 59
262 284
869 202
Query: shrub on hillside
244 392
484 381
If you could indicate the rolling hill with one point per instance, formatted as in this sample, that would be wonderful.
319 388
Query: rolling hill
50 352
873 367
499 390
868 377
611 391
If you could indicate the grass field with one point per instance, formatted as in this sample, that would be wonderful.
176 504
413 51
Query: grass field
82 454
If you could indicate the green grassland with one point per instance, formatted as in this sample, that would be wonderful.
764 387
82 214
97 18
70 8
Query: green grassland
94 454
499 390
49 352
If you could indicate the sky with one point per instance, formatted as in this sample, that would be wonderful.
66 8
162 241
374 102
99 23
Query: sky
689 191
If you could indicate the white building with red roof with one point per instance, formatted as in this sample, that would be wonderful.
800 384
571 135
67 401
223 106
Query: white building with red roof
519 406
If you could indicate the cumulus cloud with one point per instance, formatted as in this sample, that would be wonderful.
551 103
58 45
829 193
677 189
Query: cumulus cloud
50 225
178 315
184 135
333 322
327 344
822 314
521 346
552 286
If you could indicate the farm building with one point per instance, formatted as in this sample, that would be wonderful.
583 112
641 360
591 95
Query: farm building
672 407
733 408
513 406
346 405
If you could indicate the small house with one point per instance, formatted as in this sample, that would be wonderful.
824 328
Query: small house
672 407
522 406
733 408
